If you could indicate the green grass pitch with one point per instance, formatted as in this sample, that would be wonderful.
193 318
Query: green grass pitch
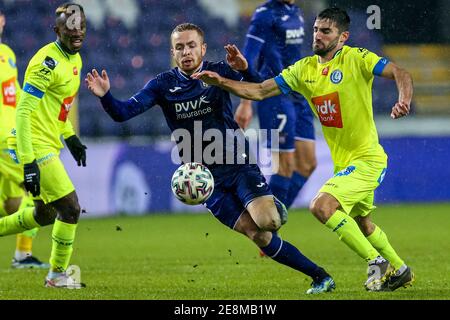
193 256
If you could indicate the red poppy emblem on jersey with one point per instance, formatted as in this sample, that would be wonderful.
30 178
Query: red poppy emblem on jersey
325 71
65 108
329 110
75 71
9 92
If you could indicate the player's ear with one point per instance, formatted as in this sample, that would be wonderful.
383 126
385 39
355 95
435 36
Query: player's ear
172 52
204 46
344 36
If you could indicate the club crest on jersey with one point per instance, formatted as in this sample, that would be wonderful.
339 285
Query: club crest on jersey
204 84
50 63
336 76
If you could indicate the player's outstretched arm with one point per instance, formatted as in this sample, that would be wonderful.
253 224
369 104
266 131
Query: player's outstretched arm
246 90
404 83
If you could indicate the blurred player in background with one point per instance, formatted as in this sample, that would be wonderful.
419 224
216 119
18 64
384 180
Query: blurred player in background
241 199
52 80
337 83
274 41
12 192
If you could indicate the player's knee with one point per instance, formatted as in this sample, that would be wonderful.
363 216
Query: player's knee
71 213
12 205
268 219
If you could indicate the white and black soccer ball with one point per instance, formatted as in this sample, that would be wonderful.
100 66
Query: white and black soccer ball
192 183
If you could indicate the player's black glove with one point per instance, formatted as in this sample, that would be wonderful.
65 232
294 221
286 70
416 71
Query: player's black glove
77 149
32 178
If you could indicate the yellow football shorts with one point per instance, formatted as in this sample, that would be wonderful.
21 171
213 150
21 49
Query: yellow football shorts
353 186
11 177
55 182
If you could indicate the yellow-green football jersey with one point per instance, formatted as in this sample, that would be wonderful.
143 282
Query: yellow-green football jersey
340 94
9 93
51 83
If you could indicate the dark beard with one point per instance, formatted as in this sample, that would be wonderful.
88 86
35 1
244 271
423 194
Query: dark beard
323 52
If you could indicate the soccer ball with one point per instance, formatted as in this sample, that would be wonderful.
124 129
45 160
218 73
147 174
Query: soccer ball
192 183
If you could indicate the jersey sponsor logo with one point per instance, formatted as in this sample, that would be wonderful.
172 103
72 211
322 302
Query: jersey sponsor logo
50 63
295 36
9 92
193 108
329 110
175 89
336 76
65 108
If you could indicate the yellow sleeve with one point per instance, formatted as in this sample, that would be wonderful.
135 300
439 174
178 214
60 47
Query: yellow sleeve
292 75
39 76
370 63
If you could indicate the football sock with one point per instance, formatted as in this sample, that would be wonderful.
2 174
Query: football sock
379 241
63 235
349 233
24 244
297 183
18 222
280 187
285 253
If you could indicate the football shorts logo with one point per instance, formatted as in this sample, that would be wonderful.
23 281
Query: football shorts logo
346 171
336 76
50 63
328 109
9 92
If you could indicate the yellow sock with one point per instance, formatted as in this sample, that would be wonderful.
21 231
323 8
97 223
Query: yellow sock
24 243
349 233
63 235
379 240
18 222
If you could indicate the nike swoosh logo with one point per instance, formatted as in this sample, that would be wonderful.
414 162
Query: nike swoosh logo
260 185
175 89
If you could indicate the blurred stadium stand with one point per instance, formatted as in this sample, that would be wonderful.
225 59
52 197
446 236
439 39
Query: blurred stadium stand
130 39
